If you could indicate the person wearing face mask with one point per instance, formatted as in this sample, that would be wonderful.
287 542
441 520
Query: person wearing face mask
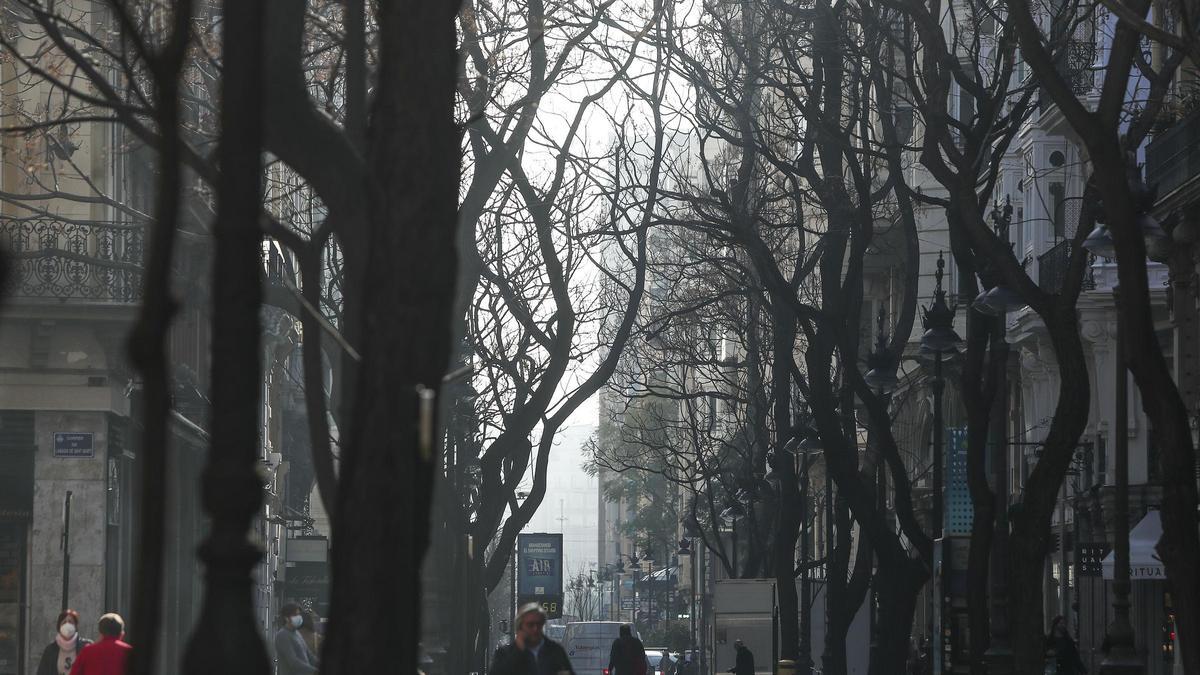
308 631
60 654
292 655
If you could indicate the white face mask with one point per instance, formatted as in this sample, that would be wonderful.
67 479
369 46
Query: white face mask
297 621
67 630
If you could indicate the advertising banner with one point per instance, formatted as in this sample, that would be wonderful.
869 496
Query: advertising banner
540 572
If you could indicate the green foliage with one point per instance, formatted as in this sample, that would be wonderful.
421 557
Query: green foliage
673 635
656 514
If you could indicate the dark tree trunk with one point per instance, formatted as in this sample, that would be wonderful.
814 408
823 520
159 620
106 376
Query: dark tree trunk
1179 547
847 590
381 525
227 638
1030 539
1108 134
979 394
899 586
148 354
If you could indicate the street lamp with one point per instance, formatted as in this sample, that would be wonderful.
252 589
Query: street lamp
512 569
881 373
1121 658
648 583
1158 243
999 299
997 302
735 511
691 527
808 442
938 341
685 550
882 378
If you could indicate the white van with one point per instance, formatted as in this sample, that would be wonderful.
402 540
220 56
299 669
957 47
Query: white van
588 644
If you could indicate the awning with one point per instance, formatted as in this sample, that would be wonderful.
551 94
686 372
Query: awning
1144 564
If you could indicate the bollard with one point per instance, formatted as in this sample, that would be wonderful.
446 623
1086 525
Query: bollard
786 667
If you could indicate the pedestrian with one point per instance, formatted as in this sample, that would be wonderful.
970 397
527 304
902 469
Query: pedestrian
628 655
292 655
1062 649
109 656
744 663
665 665
64 649
308 631
531 652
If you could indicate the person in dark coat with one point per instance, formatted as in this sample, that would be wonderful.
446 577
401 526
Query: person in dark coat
666 665
628 654
744 665
531 652
62 652
1062 647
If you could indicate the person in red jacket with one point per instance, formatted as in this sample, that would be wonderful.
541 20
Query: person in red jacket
110 655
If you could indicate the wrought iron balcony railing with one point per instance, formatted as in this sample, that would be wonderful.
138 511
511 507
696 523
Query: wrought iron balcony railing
1173 157
1052 268
1076 63
56 259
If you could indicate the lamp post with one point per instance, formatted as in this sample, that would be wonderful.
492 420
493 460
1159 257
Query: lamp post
809 443
685 551
881 377
735 511
938 341
1121 658
648 583
998 301
634 562
512 572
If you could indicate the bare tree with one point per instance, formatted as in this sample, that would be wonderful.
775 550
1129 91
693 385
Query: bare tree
1112 131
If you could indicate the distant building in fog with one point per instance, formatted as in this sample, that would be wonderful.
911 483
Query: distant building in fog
570 505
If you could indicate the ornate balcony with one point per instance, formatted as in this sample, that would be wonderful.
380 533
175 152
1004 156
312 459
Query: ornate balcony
81 261
1076 62
1052 268
1173 157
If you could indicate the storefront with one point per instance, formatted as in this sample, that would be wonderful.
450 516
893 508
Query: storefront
16 508
1150 602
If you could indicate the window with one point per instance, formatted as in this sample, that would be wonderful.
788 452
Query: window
1153 454
1058 205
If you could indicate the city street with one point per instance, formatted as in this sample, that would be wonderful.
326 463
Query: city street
599 337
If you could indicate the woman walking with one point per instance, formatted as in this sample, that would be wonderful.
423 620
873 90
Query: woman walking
62 652
1061 648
